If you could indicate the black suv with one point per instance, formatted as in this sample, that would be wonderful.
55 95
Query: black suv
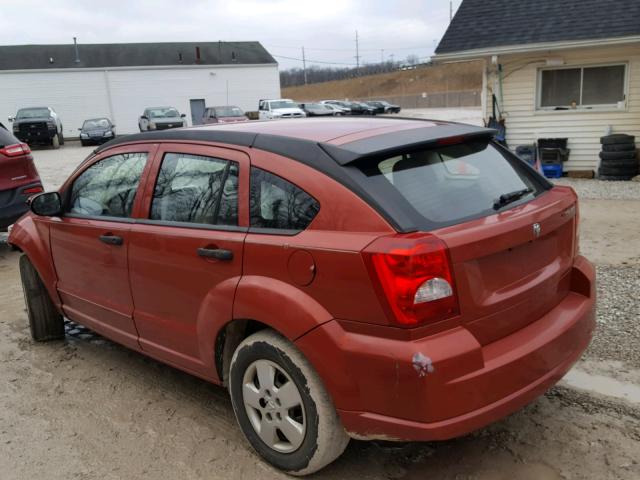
38 125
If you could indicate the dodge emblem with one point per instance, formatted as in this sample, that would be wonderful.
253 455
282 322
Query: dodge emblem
536 230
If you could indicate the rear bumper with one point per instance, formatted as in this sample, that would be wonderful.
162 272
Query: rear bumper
447 385
14 204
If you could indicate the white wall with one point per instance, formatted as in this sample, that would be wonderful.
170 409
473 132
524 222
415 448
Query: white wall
122 94
583 128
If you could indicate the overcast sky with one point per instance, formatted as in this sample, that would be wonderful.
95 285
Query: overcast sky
326 28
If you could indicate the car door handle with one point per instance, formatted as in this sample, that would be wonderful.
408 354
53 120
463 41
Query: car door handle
216 253
111 239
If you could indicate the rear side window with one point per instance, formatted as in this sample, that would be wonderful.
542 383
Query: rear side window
196 189
108 188
278 204
450 184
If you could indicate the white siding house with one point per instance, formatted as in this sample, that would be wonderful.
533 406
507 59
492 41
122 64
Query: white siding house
575 81
121 87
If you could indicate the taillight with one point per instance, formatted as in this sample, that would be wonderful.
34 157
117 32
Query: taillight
15 150
32 190
415 274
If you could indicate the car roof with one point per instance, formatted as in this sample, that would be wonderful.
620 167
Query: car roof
344 133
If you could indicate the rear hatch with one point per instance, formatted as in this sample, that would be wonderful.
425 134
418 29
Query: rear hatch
509 233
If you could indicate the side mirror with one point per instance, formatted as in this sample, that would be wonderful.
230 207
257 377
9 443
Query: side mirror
113 125
80 129
11 119
46 204
144 117
182 115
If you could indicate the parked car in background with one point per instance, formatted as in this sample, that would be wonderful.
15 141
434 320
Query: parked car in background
223 114
382 106
281 108
389 107
338 111
161 118
38 126
345 106
19 178
378 108
361 108
97 130
389 278
317 110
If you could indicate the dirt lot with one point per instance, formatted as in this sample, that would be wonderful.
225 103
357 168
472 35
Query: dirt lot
86 408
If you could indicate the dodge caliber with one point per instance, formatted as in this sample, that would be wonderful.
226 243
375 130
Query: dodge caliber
343 278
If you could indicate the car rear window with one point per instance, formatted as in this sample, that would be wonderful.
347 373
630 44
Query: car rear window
450 184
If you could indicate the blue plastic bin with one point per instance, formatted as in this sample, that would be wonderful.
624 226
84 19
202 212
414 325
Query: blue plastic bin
552 171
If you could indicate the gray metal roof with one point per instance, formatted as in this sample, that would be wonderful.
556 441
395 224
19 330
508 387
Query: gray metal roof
105 55
480 24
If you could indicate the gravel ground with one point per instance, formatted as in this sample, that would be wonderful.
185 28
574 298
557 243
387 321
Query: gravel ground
617 336
601 190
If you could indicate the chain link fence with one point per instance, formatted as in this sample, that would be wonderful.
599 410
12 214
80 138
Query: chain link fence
465 98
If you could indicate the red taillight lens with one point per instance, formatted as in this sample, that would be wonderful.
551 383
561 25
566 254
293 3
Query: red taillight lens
32 190
15 150
415 274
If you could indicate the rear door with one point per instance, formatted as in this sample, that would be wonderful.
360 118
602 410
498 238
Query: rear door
90 242
185 256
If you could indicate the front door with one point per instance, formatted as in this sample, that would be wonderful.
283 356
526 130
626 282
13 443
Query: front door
185 259
89 243
197 111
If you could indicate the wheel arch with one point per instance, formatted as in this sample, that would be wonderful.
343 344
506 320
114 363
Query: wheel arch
32 239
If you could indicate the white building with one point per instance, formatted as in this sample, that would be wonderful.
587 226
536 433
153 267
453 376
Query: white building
556 68
119 80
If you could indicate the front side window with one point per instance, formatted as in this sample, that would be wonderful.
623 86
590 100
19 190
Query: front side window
196 189
278 204
108 188
584 87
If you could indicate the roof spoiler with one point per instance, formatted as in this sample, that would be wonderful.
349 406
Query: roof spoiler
389 143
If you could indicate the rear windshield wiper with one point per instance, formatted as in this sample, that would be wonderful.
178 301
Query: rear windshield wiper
507 198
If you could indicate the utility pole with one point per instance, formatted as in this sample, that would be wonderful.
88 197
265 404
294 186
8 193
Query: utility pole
357 55
304 66
382 55
392 56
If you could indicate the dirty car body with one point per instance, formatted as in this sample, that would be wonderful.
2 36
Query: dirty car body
430 279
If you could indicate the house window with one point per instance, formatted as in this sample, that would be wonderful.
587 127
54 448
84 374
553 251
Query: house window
586 87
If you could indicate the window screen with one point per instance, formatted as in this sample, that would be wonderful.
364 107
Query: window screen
603 85
278 204
196 189
560 87
586 86
108 188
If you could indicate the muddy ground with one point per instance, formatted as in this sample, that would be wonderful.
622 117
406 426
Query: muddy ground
86 408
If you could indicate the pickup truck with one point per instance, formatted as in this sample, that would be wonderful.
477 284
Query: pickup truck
161 118
280 108
38 125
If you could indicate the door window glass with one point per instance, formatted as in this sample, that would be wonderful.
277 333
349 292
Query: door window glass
196 189
276 203
108 188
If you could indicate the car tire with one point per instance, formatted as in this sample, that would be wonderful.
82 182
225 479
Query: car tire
615 177
55 141
61 136
625 155
619 147
286 372
83 143
617 138
45 322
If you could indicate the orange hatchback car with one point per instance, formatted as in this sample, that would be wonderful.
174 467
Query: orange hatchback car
344 278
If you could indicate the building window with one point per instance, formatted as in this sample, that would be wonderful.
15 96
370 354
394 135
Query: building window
582 87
